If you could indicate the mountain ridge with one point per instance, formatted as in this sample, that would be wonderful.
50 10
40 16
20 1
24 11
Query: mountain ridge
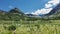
16 14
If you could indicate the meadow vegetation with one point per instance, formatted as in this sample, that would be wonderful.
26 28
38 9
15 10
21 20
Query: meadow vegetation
30 27
16 22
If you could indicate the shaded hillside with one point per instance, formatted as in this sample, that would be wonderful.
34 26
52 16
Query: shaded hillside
55 13
55 10
13 14
16 15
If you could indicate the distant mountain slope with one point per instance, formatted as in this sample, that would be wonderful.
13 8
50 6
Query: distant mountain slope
16 15
31 15
55 10
55 13
13 14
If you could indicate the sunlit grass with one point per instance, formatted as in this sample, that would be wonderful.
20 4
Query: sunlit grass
31 27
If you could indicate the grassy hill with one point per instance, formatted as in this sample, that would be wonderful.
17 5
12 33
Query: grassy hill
13 14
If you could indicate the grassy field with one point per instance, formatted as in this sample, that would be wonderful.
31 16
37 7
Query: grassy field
31 27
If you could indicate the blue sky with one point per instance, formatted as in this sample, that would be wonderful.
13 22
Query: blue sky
24 5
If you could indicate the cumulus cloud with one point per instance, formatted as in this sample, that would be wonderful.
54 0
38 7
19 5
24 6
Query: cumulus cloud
48 5
51 3
54 2
47 8
42 11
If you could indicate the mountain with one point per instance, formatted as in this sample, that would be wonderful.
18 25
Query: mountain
14 14
2 12
31 15
16 10
54 13
55 10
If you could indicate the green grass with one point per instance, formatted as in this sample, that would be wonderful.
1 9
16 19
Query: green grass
31 27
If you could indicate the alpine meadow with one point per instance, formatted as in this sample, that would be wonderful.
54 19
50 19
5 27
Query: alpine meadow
15 21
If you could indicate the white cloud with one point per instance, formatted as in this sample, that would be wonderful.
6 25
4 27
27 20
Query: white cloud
47 8
48 5
54 2
10 6
51 3
27 13
42 11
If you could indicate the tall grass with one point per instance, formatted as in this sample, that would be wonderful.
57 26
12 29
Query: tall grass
31 27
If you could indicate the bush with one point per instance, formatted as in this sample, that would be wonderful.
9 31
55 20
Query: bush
12 28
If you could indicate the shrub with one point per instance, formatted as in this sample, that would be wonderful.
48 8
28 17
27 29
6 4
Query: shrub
12 28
